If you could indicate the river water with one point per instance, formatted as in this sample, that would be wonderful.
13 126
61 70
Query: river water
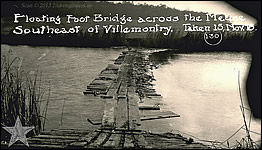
201 87
67 71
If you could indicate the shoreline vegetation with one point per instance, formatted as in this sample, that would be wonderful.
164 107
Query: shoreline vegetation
192 42
21 96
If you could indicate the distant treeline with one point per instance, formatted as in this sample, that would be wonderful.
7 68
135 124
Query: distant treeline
194 41
82 39
191 41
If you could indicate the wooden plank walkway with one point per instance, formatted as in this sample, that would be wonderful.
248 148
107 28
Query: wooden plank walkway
122 85
81 139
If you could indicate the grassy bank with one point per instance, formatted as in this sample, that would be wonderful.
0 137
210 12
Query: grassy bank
21 95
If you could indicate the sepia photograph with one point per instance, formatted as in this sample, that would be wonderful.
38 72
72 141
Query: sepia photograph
130 74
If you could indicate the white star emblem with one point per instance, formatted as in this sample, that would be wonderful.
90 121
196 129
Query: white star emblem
18 132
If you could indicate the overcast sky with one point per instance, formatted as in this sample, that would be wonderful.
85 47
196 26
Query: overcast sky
216 7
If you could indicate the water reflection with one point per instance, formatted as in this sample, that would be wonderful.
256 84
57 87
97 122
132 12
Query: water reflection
202 88
162 57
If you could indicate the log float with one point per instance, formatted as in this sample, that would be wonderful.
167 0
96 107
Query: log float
120 125
123 85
